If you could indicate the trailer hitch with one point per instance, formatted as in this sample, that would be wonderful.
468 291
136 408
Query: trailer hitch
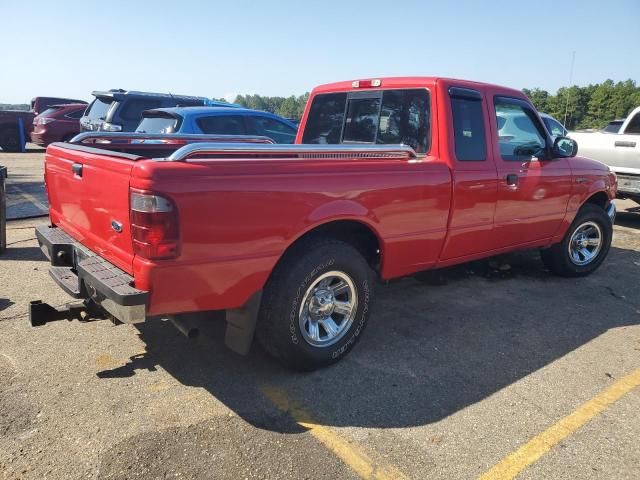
41 313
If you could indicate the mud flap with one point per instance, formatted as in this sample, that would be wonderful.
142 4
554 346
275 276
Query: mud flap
241 325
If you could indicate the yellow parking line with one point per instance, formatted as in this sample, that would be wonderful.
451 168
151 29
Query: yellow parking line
349 453
530 452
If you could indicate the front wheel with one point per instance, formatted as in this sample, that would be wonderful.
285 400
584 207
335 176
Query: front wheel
316 304
585 245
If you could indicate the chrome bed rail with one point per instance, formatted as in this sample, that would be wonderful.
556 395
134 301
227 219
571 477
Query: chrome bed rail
284 151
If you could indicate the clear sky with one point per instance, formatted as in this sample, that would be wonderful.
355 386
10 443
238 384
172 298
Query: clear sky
213 48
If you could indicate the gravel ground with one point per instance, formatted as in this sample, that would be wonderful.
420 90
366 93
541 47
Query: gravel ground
451 376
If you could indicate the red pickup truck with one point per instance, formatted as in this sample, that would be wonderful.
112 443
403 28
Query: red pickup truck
387 177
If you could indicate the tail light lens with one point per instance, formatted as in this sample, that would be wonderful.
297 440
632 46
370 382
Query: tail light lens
43 120
154 226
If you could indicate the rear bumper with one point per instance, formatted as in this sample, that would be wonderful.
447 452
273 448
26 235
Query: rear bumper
83 274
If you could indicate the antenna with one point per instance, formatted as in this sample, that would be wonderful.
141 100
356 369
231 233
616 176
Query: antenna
566 108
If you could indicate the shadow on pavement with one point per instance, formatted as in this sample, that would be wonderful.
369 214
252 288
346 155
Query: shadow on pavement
629 218
16 252
429 350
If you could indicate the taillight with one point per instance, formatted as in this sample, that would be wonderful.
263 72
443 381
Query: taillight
43 120
154 226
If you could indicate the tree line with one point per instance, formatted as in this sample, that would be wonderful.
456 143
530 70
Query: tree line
591 106
588 107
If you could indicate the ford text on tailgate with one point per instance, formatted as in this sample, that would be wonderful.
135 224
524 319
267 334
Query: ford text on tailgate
388 177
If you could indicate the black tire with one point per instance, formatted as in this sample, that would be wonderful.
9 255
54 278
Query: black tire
279 330
558 259
10 140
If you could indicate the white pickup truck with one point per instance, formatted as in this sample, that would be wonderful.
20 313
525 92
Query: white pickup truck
621 151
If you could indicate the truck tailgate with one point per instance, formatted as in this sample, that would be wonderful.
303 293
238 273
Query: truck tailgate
88 193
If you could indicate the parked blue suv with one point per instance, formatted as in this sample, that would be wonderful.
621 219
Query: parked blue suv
217 120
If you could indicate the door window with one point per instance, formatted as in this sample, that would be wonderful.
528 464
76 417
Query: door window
634 125
468 128
275 130
222 125
519 134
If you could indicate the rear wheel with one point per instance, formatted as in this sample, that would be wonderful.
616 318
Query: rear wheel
585 245
316 304
10 140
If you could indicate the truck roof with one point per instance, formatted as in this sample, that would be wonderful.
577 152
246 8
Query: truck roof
408 82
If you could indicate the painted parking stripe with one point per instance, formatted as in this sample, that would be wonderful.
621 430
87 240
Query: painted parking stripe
349 453
535 448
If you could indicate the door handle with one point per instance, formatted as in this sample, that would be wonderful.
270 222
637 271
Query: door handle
512 180
621 143
76 168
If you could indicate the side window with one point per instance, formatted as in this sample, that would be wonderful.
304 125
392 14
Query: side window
132 109
222 125
277 131
468 127
75 115
634 125
554 128
519 135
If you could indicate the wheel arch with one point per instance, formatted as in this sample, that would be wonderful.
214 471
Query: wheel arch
599 198
356 232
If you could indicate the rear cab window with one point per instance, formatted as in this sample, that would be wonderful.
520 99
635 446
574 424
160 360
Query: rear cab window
380 117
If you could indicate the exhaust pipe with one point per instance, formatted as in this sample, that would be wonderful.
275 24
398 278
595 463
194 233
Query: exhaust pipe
185 325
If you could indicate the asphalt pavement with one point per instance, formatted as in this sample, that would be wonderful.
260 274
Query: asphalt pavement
494 368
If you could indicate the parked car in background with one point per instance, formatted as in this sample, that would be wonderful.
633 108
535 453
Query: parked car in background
58 123
121 110
10 139
217 120
620 150
554 127
40 104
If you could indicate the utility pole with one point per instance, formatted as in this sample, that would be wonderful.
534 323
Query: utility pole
566 108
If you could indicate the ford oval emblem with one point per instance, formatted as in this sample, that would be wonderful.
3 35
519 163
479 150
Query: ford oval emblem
117 226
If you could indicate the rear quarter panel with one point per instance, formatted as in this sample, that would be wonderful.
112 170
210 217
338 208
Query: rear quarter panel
237 217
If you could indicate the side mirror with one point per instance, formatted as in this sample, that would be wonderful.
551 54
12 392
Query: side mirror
564 147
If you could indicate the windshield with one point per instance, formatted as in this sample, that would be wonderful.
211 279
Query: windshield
99 108
157 125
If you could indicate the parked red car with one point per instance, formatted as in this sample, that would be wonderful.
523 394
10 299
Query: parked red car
394 176
58 123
